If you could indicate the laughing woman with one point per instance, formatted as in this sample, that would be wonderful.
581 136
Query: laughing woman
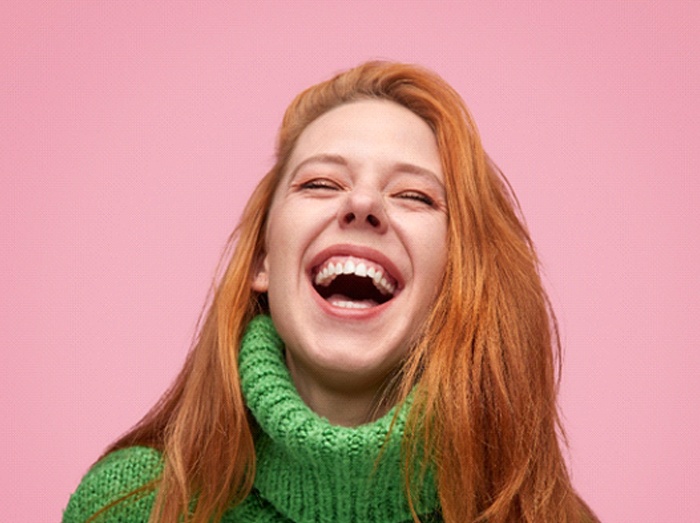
379 347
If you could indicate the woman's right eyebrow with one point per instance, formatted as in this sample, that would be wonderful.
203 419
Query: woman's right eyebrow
334 159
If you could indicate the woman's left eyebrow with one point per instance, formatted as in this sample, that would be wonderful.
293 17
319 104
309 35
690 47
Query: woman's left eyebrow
420 171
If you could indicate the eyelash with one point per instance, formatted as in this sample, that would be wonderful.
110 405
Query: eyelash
321 183
419 197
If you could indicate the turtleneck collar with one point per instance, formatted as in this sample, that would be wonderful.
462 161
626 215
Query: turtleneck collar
309 469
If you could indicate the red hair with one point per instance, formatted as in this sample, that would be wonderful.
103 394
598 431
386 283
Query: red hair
484 372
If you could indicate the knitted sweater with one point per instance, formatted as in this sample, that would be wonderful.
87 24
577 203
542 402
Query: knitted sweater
307 470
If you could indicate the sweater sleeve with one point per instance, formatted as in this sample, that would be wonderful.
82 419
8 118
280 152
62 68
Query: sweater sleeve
114 476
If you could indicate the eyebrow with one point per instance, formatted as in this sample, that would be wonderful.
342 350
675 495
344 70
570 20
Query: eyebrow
420 171
337 159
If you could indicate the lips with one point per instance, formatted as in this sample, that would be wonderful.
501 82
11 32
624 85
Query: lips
354 277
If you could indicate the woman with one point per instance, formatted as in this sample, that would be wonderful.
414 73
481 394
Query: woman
379 347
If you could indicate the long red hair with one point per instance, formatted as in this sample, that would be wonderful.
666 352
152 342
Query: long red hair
484 372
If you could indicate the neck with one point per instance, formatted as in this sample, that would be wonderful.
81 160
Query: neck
347 407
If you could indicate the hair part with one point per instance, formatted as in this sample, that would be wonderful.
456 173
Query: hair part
484 370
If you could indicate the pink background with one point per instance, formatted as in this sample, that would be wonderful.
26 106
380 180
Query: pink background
131 133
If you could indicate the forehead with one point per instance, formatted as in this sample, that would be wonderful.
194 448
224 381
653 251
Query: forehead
370 130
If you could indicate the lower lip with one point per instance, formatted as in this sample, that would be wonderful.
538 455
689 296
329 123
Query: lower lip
347 312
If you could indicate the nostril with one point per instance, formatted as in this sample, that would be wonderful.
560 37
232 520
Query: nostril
373 220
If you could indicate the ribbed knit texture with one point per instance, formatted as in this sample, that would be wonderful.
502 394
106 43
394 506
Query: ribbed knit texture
307 469
310 470
112 477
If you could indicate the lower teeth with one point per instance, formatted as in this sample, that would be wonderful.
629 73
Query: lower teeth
351 304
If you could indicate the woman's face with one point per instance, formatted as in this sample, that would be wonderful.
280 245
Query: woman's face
356 244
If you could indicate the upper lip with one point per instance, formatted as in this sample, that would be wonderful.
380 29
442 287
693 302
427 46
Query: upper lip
358 251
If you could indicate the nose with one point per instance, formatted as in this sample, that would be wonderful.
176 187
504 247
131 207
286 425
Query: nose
363 208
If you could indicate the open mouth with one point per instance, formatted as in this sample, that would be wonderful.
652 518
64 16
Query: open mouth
354 283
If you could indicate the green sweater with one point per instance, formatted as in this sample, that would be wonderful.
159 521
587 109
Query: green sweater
307 469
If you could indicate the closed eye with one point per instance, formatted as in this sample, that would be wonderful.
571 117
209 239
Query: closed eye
417 196
320 183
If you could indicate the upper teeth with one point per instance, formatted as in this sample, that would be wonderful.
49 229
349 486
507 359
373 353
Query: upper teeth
330 269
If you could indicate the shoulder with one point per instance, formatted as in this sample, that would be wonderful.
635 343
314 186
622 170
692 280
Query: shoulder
116 475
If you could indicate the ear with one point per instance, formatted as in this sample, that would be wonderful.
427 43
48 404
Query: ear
261 280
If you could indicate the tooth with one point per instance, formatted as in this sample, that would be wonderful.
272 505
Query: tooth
383 286
330 269
392 288
359 305
339 268
370 272
351 304
349 267
361 270
378 276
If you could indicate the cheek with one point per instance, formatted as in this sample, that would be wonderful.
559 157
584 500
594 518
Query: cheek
291 230
430 248
276 251
284 228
